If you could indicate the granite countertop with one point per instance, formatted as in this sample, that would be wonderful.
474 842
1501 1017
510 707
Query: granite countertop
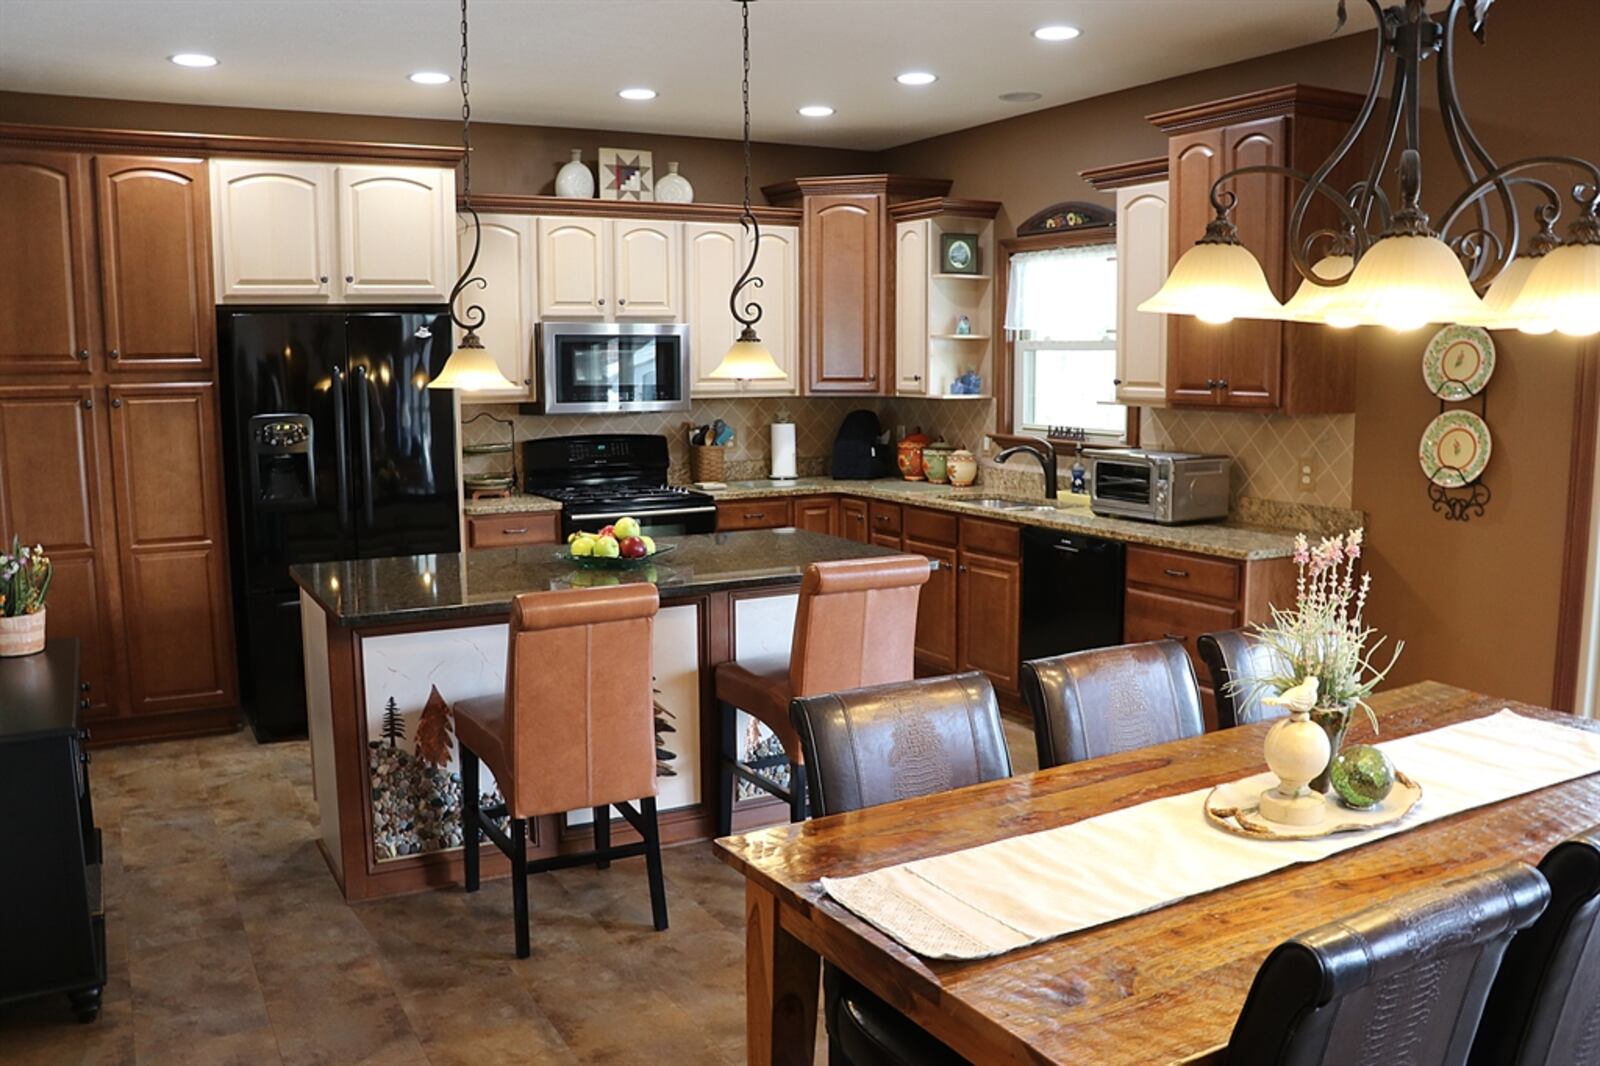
516 503
481 583
1069 513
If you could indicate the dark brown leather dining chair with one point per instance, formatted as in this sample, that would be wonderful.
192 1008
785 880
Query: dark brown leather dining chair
1401 982
575 728
1236 660
878 745
1091 703
855 625
1545 1004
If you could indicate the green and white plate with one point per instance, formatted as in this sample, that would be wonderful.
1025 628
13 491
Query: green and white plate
1458 362
1455 449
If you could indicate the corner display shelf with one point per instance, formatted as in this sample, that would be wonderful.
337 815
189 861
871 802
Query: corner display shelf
962 277
929 302
960 336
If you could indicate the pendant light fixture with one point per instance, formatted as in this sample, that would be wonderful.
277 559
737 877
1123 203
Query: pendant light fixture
1390 267
470 368
748 359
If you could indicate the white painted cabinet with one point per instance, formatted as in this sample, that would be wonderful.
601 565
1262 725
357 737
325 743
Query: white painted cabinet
715 254
573 259
1141 269
596 268
273 225
646 277
911 268
506 264
395 235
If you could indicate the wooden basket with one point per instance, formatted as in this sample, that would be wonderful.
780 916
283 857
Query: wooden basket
705 462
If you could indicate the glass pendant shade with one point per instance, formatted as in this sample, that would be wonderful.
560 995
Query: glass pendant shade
1320 303
1216 283
470 369
1499 302
1563 291
1405 281
748 360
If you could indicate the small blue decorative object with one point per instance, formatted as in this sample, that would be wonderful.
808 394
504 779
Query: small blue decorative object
1080 477
1362 776
968 384
963 326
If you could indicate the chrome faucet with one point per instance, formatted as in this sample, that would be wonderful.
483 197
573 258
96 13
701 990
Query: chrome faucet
1041 450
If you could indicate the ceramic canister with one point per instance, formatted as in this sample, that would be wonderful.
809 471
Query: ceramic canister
575 181
674 188
935 463
963 468
909 456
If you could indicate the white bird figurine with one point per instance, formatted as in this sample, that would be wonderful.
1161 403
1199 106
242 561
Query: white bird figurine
1301 697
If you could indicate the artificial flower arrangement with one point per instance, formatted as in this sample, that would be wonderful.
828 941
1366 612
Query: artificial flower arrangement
25 575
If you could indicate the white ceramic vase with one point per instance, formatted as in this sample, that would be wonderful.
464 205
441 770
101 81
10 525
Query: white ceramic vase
674 188
22 634
574 180
1297 750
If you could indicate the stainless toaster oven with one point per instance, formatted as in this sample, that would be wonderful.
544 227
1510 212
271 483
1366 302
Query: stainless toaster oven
1166 487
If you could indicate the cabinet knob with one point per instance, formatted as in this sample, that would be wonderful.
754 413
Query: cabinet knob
601 302
348 278
115 354
527 381
1211 383
1223 383
621 301
962 568
88 403
116 401
1116 381
83 704
323 279
83 686
83 353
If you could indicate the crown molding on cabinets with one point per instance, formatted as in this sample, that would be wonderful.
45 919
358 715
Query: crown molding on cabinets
210 144
1121 175
511 204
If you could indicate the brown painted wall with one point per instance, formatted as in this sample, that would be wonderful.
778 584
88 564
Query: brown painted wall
1476 602
506 159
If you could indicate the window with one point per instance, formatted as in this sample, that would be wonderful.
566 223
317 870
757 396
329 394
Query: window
1062 310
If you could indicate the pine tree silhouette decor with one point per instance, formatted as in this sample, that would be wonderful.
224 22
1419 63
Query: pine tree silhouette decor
394 727
435 735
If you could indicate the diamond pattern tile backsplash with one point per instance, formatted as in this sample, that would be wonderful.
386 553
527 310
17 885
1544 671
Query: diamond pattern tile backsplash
1267 450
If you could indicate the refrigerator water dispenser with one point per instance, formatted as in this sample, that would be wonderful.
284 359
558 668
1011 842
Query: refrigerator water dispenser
282 471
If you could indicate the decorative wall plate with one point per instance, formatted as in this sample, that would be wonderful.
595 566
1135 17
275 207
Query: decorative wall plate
1455 449
1235 808
1458 362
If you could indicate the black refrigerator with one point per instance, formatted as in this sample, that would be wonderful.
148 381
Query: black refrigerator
335 449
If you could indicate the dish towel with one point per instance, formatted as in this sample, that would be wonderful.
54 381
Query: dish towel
997 897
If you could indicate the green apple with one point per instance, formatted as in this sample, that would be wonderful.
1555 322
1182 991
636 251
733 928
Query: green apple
625 528
606 548
649 544
582 546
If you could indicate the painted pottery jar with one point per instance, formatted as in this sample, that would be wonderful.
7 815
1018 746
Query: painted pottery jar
936 462
909 455
963 468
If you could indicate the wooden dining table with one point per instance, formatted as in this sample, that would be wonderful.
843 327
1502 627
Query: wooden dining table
1160 987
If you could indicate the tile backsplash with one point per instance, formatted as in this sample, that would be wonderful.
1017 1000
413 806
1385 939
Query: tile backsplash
1267 450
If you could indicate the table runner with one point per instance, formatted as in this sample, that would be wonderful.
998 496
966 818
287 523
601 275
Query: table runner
997 897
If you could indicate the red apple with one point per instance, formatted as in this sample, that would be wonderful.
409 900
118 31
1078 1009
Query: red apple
606 531
633 548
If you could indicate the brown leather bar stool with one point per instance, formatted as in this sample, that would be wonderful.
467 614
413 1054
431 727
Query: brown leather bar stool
574 729
855 626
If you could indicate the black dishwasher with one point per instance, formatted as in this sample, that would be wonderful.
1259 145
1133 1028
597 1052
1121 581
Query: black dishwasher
1071 592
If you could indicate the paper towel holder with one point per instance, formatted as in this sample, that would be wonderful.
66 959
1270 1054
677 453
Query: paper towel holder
783 451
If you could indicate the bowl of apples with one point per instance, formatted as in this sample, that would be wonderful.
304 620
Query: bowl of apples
619 546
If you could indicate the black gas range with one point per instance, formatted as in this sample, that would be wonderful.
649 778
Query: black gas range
601 477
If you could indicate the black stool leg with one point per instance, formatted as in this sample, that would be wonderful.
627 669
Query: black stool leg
652 861
519 883
602 837
728 720
797 792
469 816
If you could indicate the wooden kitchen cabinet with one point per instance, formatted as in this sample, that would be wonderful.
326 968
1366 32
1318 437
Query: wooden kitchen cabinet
1294 368
172 544
715 254
505 263
853 523
155 263
396 232
934 535
46 298
573 262
929 350
646 268
817 514
1142 245
989 617
274 223
513 530
912 262
753 514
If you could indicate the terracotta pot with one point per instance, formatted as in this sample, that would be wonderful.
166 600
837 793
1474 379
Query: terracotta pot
22 634
963 468
909 456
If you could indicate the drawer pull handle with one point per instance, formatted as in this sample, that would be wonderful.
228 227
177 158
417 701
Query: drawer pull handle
511 532
1179 637
1170 572
748 517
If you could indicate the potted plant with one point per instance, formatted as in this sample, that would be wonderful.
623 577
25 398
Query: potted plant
1325 637
24 583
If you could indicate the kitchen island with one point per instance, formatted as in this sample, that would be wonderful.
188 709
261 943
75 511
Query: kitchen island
391 644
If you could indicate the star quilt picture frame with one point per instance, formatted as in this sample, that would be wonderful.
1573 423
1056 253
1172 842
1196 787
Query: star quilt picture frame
627 174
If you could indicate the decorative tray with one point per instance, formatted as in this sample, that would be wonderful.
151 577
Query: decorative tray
1234 808
594 562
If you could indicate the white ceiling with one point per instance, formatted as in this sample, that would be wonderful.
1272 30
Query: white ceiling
561 62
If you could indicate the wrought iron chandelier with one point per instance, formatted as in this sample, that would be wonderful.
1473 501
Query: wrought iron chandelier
470 368
748 359
1385 264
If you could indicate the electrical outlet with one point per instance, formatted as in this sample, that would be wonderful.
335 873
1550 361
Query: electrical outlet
1307 476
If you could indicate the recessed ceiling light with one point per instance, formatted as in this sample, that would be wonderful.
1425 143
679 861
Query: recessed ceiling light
194 59
1021 97
638 94
1056 33
816 111
917 77
430 77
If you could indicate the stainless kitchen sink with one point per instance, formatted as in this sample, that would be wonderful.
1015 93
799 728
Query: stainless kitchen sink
996 503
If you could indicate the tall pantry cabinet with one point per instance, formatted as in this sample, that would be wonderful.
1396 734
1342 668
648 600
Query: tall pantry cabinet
109 443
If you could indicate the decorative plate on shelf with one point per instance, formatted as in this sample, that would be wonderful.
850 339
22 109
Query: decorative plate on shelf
1458 362
595 562
1455 449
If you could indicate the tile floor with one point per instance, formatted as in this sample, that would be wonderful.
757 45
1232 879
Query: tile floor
229 942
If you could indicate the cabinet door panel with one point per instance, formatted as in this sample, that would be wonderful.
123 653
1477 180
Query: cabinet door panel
989 592
820 515
778 267
1142 245
172 551
646 263
911 307
505 263
1194 348
711 265
50 494
396 232
844 279
155 263
274 229
44 275
936 608
853 521
572 268
1251 365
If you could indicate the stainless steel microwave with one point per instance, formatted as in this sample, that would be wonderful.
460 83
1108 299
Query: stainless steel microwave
601 367
1166 487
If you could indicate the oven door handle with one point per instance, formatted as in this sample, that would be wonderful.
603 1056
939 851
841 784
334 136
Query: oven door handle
644 515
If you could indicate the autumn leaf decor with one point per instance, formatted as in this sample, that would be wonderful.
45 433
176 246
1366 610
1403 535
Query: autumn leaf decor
435 733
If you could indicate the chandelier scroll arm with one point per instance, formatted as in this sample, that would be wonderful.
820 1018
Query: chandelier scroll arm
1587 204
1465 145
1223 199
473 316
1373 186
752 310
